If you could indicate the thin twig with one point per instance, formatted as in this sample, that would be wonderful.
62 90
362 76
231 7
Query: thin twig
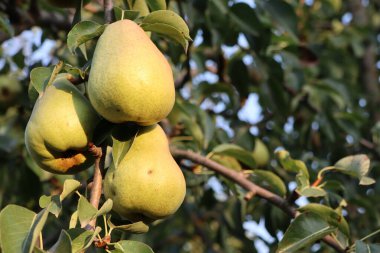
108 13
250 186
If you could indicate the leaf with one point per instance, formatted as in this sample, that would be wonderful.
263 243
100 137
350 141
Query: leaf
331 216
134 228
156 5
237 152
83 32
125 14
306 229
245 17
73 219
312 191
122 142
208 127
355 166
39 77
69 186
128 246
81 238
264 177
297 166
361 247
86 211
63 244
15 222
283 14
168 23
106 208
35 230
6 27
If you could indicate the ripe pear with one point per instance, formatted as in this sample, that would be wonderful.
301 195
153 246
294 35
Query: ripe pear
60 128
130 79
147 184
260 153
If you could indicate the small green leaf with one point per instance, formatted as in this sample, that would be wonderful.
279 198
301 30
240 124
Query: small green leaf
156 5
86 211
125 14
15 222
264 177
312 191
39 77
106 208
168 23
63 244
74 219
361 247
83 32
306 229
122 141
237 152
297 166
81 238
329 215
128 246
69 186
35 230
208 127
355 166
134 228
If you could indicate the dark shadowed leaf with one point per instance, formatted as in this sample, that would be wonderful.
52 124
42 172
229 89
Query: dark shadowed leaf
156 5
63 244
81 238
125 14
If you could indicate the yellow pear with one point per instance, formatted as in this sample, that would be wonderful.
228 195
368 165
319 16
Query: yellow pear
147 184
60 128
130 79
260 153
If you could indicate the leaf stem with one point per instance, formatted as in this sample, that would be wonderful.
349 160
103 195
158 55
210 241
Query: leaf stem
370 235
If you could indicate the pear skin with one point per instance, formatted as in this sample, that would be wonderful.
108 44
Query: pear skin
147 184
130 79
60 128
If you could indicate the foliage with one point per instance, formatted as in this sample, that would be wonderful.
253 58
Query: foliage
309 70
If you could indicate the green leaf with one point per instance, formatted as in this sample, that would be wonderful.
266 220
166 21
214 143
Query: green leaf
6 27
134 228
297 166
73 219
81 238
361 247
83 32
306 229
283 14
208 127
86 211
128 246
122 142
106 208
63 244
245 17
356 166
125 14
264 177
331 216
312 191
237 152
156 5
15 222
35 230
168 23
39 77
69 186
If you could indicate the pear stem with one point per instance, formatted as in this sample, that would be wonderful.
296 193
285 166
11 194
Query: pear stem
251 187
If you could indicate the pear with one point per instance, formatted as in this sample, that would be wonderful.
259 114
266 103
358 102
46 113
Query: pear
60 128
147 184
130 79
260 153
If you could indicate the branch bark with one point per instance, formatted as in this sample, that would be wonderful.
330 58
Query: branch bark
241 180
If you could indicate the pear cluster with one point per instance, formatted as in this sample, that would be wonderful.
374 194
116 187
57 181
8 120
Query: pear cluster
130 81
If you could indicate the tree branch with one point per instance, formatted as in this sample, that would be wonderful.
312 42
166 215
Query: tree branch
108 13
241 180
